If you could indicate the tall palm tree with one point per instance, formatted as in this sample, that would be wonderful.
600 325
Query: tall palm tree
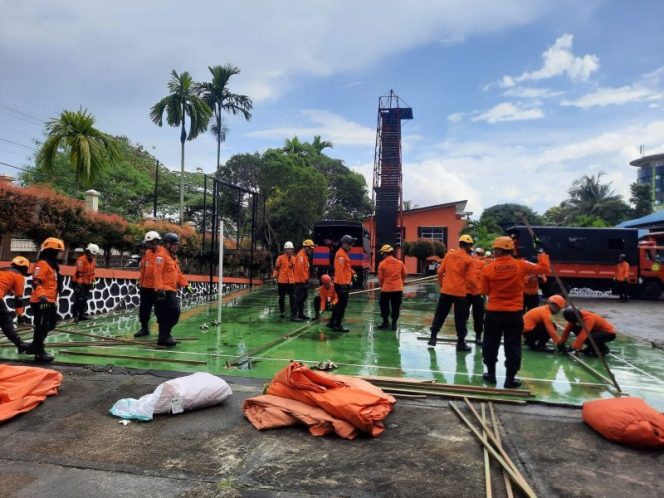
319 145
293 147
89 149
589 196
182 101
220 99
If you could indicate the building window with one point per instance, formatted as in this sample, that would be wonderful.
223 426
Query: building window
400 235
433 233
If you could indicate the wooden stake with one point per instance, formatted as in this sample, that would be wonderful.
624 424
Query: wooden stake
514 476
129 357
445 394
427 384
508 484
487 463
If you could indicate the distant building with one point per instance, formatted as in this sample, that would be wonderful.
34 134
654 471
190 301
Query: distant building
651 172
441 222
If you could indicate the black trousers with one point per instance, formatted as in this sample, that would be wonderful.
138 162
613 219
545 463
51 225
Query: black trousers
530 301
600 337
283 290
476 305
340 308
506 325
45 317
538 337
301 294
81 296
445 302
7 324
168 314
145 308
621 289
390 305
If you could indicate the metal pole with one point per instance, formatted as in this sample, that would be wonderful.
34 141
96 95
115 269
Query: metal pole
156 184
205 182
239 218
221 269
213 229
253 240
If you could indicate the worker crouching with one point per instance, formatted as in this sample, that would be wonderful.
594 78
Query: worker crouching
327 298
12 281
301 277
84 281
538 326
391 276
502 283
600 329
46 287
167 279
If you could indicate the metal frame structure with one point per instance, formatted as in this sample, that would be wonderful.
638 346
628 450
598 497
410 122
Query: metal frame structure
387 193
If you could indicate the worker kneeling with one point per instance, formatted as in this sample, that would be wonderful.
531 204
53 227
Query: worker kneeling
502 283
391 276
167 279
538 326
327 298
600 329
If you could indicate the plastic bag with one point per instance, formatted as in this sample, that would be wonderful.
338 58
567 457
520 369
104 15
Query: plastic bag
175 396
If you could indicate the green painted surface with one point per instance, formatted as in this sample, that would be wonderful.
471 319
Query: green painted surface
251 322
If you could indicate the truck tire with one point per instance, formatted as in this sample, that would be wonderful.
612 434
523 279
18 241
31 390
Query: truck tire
650 290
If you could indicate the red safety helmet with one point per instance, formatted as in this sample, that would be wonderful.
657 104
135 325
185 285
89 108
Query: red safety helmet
325 279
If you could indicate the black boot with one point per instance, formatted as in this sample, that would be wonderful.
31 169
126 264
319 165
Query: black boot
142 332
490 374
432 339
44 357
394 325
478 338
384 325
511 382
462 347
169 342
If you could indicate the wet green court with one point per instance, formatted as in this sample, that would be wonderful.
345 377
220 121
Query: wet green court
254 341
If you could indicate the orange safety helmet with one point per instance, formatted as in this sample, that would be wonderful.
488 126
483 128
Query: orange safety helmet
558 300
21 263
53 243
325 279
504 243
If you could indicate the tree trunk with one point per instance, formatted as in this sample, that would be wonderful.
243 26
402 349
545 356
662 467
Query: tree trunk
218 140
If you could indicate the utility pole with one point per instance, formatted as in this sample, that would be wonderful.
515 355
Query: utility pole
156 184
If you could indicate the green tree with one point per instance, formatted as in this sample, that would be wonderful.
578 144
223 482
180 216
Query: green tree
319 145
554 216
508 215
482 232
422 249
220 99
588 196
86 148
641 199
293 147
182 102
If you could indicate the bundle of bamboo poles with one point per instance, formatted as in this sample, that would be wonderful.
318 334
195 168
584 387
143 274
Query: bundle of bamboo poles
406 386
492 445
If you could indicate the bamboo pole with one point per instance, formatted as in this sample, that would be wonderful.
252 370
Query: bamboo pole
508 484
446 394
590 369
250 354
495 454
577 313
129 357
96 336
364 291
435 385
487 462
493 440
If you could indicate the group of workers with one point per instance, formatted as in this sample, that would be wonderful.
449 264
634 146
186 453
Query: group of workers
499 291
160 278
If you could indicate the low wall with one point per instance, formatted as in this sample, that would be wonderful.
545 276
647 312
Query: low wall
117 289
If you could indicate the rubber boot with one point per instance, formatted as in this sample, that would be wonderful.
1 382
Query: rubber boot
478 338
169 342
490 374
432 339
462 347
394 325
144 331
385 324
511 382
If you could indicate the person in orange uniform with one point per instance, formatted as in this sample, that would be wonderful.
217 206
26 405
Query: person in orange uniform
601 330
146 282
84 280
283 272
531 298
391 277
301 277
12 281
343 278
46 287
538 326
622 278
474 296
167 279
502 283
326 298
453 275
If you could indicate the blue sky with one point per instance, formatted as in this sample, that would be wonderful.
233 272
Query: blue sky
512 100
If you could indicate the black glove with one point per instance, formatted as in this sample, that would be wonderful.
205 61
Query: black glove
160 295
189 289
23 320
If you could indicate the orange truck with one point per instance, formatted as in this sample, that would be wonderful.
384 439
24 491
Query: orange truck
587 257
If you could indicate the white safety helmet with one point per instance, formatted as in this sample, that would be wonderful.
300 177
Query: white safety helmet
93 249
488 254
151 235
289 245
479 250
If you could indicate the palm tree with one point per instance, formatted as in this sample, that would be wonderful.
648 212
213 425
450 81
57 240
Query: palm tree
182 101
293 147
88 149
589 196
319 145
220 99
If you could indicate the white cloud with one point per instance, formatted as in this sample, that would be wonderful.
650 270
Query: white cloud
328 125
508 111
558 60
524 92
456 117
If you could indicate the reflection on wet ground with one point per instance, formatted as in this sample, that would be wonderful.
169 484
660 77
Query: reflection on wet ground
254 341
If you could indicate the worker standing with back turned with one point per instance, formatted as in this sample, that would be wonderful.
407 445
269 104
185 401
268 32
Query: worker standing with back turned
301 277
453 275
391 276
622 278
502 283
343 278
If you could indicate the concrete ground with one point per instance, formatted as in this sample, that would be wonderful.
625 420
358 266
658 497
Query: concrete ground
70 446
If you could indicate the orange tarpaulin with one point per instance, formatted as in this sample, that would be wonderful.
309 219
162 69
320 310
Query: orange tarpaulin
23 388
362 404
272 412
